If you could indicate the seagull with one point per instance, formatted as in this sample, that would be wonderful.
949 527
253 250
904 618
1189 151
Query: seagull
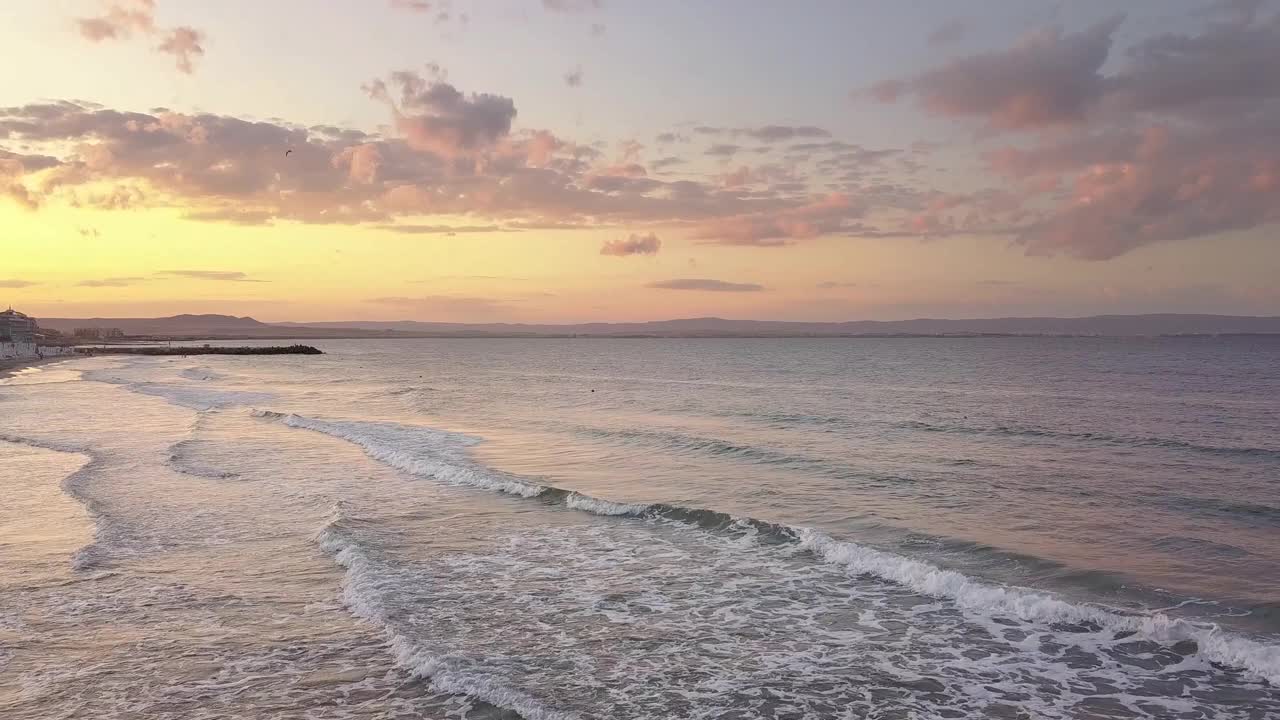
286 152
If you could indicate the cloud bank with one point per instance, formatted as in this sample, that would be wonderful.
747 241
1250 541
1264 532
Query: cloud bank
632 245
705 284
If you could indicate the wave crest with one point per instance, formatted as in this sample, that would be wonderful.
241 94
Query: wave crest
442 455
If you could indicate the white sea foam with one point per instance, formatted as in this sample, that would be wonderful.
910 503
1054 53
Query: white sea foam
442 455
419 451
1260 659
577 501
362 593
201 373
199 397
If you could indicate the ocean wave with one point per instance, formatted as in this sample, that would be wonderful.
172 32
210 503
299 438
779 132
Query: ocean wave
179 455
75 486
441 455
1093 437
1239 510
201 373
751 453
362 594
200 398
416 450
787 420
44 444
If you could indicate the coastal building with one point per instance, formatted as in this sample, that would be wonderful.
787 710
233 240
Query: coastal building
15 327
18 337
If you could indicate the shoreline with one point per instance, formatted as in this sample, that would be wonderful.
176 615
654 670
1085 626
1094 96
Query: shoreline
9 368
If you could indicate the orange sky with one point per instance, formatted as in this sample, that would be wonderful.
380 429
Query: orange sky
566 162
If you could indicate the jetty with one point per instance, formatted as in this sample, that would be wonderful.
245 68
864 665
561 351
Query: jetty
199 350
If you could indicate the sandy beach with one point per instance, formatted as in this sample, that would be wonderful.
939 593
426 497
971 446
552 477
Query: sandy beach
10 367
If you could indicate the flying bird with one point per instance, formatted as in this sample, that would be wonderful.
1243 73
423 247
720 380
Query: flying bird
286 152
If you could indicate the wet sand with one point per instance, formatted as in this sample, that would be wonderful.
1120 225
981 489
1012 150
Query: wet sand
9 367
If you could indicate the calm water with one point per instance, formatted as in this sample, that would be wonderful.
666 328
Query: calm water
888 528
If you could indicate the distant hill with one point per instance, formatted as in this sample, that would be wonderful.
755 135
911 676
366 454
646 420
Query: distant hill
1111 325
1105 325
176 325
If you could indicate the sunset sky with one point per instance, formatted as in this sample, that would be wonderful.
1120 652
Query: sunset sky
578 160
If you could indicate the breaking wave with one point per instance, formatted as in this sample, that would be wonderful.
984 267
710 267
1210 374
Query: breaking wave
361 593
180 455
443 456
75 486
1096 438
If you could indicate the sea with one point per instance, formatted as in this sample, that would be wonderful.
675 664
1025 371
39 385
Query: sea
909 528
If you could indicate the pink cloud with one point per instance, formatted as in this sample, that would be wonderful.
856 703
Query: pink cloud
1048 78
1181 140
362 162
121 20
184 44
632 245
705 284
828 215
572 6
1175 187
124 18
412 5
435 116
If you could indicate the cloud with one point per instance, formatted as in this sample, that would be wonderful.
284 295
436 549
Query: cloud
184 44
111 282
232 216
455 159
572 6
832 284
16 284
632 245
220 275
832 214
1049 78
435 116
705 284
22 195
725 150
412 5
1223 63
1179 140
440 10
362 162
779 133
124 18
1180 185
1186 145
573 78
408 229
16 164
13 168
949 32
121 20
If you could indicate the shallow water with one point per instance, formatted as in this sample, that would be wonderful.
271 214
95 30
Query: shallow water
914 528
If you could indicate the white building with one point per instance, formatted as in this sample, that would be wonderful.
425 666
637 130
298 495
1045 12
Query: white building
17 336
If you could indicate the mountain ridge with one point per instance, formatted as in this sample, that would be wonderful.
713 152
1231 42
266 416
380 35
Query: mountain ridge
1153 324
